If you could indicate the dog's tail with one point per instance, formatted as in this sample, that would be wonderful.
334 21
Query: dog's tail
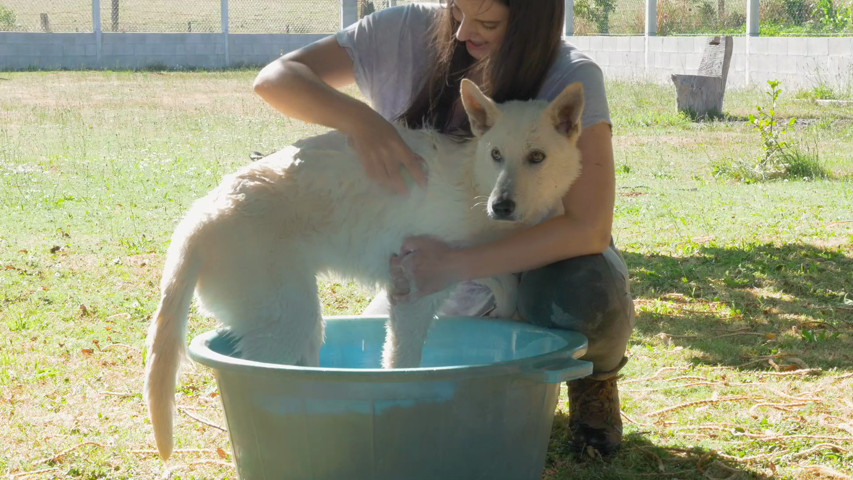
166 341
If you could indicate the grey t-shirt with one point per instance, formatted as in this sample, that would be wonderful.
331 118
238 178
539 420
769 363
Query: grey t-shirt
389 50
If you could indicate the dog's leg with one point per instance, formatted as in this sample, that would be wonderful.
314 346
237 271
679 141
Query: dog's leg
407 329
286 327
505 289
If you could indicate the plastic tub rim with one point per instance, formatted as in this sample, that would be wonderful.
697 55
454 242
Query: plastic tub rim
200 351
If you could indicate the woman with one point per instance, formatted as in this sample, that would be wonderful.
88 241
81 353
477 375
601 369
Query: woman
408 61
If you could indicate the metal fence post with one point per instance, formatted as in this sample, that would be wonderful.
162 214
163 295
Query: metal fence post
224 17
751 31
569 22
651 18
349 13
650 30
96 28
752 18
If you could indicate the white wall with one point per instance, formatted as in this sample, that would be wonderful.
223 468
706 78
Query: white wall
800 63
20 51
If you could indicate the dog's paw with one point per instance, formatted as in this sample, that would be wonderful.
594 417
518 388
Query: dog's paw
505 290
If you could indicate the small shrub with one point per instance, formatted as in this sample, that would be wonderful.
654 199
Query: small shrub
781 158
596 12
766 123
797 11
832 17
7 18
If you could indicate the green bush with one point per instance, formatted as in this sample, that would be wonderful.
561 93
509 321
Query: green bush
7 18
596 12
780 158
804 17
773 144
833 18
797 12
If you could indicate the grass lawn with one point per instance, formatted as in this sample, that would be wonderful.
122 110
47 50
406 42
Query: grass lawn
742 357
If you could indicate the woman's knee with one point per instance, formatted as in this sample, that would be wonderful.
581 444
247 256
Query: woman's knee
588 294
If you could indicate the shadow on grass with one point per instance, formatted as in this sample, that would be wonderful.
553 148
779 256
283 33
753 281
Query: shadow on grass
639 458
737 304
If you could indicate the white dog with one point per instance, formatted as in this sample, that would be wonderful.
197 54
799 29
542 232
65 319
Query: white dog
253 247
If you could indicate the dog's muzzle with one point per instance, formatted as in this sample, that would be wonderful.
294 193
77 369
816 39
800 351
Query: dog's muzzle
502 209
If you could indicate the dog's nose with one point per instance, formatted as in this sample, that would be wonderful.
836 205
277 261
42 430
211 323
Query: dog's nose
503 208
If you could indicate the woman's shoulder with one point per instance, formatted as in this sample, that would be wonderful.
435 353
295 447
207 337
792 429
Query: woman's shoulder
571 65
411 15
570 57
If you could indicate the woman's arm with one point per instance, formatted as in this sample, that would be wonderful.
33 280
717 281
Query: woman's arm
303 85
430 265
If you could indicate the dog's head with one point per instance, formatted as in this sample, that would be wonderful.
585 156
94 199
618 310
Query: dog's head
527 155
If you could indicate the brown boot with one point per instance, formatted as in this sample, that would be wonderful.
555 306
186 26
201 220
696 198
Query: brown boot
595 419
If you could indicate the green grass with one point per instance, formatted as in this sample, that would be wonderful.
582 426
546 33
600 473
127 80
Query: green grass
742 357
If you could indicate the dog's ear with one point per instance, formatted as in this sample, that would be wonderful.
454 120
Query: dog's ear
565 110
482 111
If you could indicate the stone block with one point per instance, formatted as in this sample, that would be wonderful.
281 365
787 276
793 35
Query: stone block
797 46
840 46
699 95
817 46
598 42
702 94
766 63
638 44
73 49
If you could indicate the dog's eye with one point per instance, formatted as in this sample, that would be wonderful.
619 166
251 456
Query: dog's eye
536 156
496 155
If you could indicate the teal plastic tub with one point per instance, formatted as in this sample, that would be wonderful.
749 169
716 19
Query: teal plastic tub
480 407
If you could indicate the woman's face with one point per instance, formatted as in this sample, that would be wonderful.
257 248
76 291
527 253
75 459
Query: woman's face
482 25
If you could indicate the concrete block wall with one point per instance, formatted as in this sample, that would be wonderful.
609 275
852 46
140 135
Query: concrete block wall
43 51
260 49
142 50
800 63
73 51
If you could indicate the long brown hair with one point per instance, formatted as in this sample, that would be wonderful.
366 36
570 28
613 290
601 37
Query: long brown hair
515 72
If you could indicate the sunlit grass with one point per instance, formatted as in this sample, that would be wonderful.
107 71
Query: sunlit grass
741 358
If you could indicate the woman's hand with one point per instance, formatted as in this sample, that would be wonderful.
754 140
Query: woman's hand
384 154
303 85
424 265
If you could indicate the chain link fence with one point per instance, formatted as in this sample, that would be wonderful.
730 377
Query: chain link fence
64 16
591 17
289 16
806 17
715 17
609 17
674 17
181 16
701 17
